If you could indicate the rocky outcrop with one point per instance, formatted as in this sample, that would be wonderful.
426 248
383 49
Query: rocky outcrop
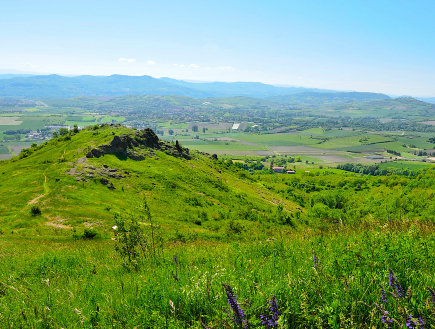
130 146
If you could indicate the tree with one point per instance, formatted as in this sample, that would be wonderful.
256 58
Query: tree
76 128
63 131
34 145
171 132
203 130
195 129
55 134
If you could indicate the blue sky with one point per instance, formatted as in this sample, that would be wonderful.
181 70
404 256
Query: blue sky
379 46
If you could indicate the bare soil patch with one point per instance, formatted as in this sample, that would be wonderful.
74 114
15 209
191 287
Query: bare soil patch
235 152
35 200
222 125
335 158
264 153
228 139
58 225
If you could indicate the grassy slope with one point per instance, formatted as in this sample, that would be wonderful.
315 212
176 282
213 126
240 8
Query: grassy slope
179 192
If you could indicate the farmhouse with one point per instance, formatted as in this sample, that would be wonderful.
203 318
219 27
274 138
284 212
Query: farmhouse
291 172
278 170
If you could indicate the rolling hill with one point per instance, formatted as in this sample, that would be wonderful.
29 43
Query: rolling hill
83 179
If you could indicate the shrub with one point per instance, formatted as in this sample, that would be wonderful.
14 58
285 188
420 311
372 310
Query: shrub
89 233
35 211
133 242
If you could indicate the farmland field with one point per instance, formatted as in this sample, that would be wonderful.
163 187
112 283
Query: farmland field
406 164
4 149
109 119
10 121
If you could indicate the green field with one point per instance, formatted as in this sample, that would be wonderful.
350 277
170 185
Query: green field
109 119
406 164
79 123
4 149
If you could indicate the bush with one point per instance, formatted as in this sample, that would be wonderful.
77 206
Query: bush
89 233
35 211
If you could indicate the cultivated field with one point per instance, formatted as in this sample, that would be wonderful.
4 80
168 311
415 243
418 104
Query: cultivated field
10 121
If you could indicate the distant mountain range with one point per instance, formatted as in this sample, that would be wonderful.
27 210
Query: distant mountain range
319 98
56 86
426 99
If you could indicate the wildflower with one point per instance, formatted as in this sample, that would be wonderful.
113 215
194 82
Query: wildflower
316 262
273 321
175 258
386 320
394 283
176 278
410 323
421 321
238 315
384 295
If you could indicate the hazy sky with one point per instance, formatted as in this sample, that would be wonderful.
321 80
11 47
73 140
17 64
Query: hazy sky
379 46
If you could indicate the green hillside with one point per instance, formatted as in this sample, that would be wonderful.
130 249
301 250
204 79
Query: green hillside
183 191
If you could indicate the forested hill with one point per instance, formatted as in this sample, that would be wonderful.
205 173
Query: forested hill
317 98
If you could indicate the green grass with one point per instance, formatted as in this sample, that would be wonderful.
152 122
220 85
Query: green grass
293 139
348 142
32 124
79 123
109 119
72 284
177 126
4 149
406 164
211 146
256 232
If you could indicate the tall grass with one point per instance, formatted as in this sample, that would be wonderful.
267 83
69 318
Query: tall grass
75 284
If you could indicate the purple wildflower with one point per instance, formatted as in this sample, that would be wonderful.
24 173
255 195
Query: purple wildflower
204 326
384 295
238 315
176 278
394 283
175 258
273 320
386 320
316 262
410 323
421 321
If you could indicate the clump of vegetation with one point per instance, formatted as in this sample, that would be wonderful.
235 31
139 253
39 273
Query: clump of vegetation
35 210
133 242
89 233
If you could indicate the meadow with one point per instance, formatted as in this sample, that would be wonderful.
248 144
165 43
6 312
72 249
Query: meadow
326 248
